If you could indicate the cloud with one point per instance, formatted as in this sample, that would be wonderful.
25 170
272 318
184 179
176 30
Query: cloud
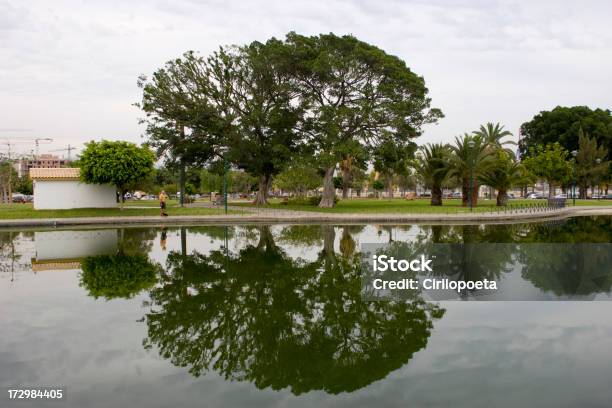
69 67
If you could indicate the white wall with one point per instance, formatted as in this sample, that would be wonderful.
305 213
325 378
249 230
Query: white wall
63 194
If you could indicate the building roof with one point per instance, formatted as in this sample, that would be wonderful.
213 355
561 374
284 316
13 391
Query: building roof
55 173
55 265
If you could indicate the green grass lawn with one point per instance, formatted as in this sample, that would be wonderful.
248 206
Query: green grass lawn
398 205
17 211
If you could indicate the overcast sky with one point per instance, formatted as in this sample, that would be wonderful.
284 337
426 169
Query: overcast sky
68 69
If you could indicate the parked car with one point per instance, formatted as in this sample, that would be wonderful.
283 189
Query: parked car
561 196
20 198
535 196
457 194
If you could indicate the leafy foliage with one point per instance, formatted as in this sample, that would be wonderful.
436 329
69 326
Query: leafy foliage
260 316
433 166
563 124
551 163
118 276
358 97
122 164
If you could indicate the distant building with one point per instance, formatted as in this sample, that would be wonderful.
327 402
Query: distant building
41 161
61 188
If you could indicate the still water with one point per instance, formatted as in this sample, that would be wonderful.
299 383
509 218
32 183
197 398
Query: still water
272 316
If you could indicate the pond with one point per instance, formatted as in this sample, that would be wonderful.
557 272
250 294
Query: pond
273 316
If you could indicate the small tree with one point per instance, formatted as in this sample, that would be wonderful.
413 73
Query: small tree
378 186
505 173
433 166
551 163
299 178
122 164
591 163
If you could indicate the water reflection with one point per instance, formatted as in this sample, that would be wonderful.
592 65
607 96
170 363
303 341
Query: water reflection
281 306
262 316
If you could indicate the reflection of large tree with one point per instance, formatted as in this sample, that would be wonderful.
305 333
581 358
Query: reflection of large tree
258 315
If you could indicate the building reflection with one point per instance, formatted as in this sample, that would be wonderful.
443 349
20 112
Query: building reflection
60 250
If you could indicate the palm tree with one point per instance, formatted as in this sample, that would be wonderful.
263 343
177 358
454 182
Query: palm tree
471 157
503 175
433 165
493 135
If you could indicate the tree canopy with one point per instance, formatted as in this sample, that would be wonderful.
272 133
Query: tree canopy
122 164
357 96
562 125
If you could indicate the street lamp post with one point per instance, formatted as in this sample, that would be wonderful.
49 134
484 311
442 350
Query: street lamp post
574 153
598 161
223 151
471 145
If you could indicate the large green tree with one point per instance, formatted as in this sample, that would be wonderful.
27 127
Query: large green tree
254 87
357 96
122 164
183 123
562 125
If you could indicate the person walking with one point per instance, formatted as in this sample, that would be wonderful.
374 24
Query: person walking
162 203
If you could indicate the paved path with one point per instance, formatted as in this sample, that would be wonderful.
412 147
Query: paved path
261 215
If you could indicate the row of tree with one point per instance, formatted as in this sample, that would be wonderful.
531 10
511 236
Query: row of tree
301 109
480 158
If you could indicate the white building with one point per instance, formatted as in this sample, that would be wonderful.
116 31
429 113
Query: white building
61 188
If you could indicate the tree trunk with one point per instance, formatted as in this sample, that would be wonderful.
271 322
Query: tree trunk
502 198
262 193
329 238
183 241
436 195
465 187
475 194
329 193
390 187
122 199
582 192
266 239
345 182
551 190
